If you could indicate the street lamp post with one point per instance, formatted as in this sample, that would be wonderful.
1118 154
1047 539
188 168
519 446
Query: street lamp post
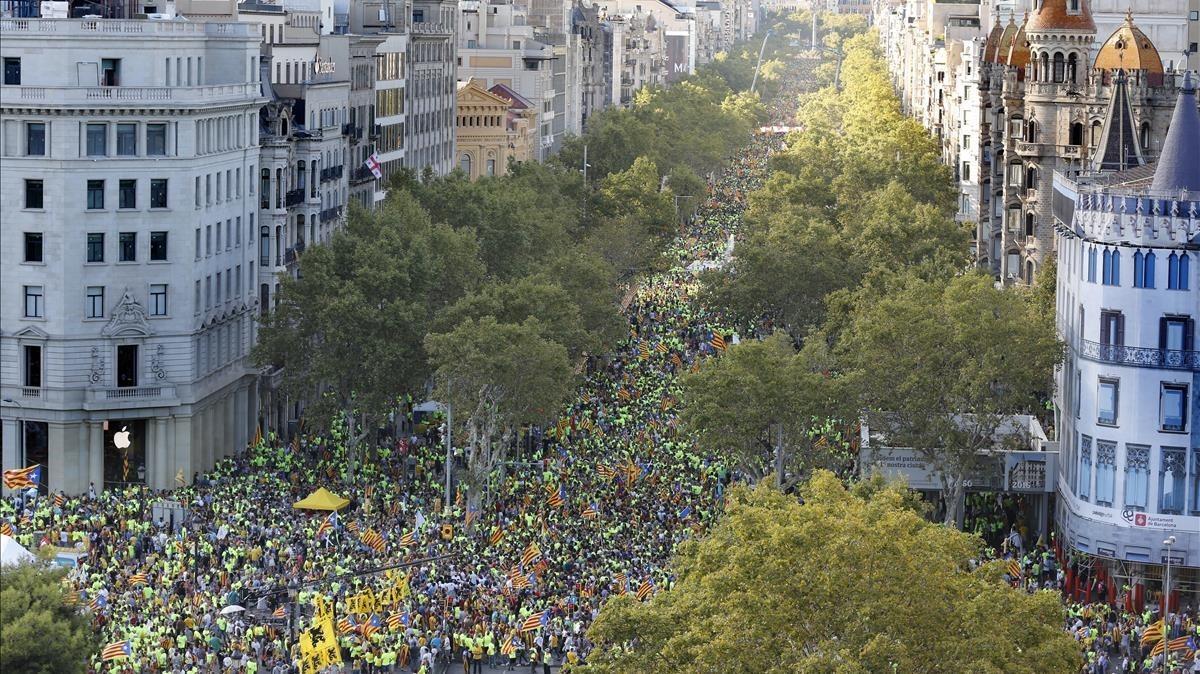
1167 600
449 448
761 49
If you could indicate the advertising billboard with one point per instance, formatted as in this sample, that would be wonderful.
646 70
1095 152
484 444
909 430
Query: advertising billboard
677 56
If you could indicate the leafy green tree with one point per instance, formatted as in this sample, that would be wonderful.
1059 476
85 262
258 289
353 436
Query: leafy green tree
892 230
839 584
634 193
366 297
39 633
940 364
516 218
497 376
515 301
592 285
783 271
756 406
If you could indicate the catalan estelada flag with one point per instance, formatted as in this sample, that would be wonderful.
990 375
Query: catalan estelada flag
279 613
535 621
496 536
395 622
590 512
138 580
6 528
644 350
29 476
676 360
345 626
661 347
556 498
508 647
606 472
59 500
532 552
718 342
116 650
408 539
645 590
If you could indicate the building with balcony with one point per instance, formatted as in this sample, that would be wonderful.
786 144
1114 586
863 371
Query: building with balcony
1015 92
127 247
1128 295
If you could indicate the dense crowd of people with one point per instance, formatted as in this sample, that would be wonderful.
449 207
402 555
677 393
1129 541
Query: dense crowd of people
511 584
599 515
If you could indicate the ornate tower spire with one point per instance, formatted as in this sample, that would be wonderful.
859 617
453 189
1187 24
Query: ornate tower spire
1119 146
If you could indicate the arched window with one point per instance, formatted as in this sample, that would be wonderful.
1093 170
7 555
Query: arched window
1111 274
1144 135
1076 136
464 163
1059 67
1178 268
1139 267
1096 130
1031 178
1148 272
1029 272
1031 132
1030 224
1045 67
1072 68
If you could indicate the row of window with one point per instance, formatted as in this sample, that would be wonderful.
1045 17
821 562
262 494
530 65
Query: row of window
94 304
127 247
228 185
1100 462
1172 405
232 236
127 194
1178 268
123 141
228 286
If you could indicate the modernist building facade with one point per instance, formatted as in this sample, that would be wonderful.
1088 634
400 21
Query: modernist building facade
1016 91
127 246
1128 295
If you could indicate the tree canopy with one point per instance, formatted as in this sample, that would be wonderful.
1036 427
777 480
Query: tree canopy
39 632
840 582
942 363
859 188
760 398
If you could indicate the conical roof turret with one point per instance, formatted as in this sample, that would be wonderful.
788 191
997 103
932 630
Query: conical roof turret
1178 166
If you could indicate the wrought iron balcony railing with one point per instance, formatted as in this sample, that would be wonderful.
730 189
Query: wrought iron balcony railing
1137 356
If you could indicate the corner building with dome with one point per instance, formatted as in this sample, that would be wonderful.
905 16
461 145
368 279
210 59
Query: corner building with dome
1045 94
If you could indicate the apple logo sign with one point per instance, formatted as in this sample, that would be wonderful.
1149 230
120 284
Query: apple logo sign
121 438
